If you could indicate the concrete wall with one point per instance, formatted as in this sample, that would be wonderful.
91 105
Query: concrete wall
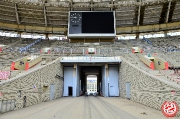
34 85
146 89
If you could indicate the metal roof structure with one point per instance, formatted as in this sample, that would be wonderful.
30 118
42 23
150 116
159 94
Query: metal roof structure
51 16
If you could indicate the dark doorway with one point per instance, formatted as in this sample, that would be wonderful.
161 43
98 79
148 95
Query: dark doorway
70 89
88 72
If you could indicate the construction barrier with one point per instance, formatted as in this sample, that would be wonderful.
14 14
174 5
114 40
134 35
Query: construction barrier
147 61
160 64
1 49
154 63
26 62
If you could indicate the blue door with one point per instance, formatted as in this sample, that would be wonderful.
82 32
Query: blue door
113 81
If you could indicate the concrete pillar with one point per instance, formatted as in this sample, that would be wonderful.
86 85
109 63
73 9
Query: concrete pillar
137 35
106 80
98 86
47 36
106 66
165 33
74 80
65 33
19 34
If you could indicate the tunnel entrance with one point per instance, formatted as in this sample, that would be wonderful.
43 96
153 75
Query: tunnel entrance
90 78
102 79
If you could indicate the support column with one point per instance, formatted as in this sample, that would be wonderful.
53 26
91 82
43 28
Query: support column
74 80
71 5
137 35
111 7
17 15
98 86
167 15
139 14
91 9
107 81
19 34
165 33
47 36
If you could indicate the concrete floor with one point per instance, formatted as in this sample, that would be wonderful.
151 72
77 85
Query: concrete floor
86 108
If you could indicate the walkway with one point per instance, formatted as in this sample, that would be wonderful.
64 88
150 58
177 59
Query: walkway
86 108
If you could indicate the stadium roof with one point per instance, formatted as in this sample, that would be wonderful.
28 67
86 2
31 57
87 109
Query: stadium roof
51 16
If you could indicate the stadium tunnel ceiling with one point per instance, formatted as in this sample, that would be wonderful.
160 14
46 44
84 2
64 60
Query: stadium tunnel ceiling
51 16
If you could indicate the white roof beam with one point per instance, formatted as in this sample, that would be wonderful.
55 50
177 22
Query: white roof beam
139 13
45 16
17 15
167 15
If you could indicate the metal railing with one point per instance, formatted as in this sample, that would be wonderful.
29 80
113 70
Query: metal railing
91 58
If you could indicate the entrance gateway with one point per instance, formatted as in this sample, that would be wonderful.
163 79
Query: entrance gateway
79 70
